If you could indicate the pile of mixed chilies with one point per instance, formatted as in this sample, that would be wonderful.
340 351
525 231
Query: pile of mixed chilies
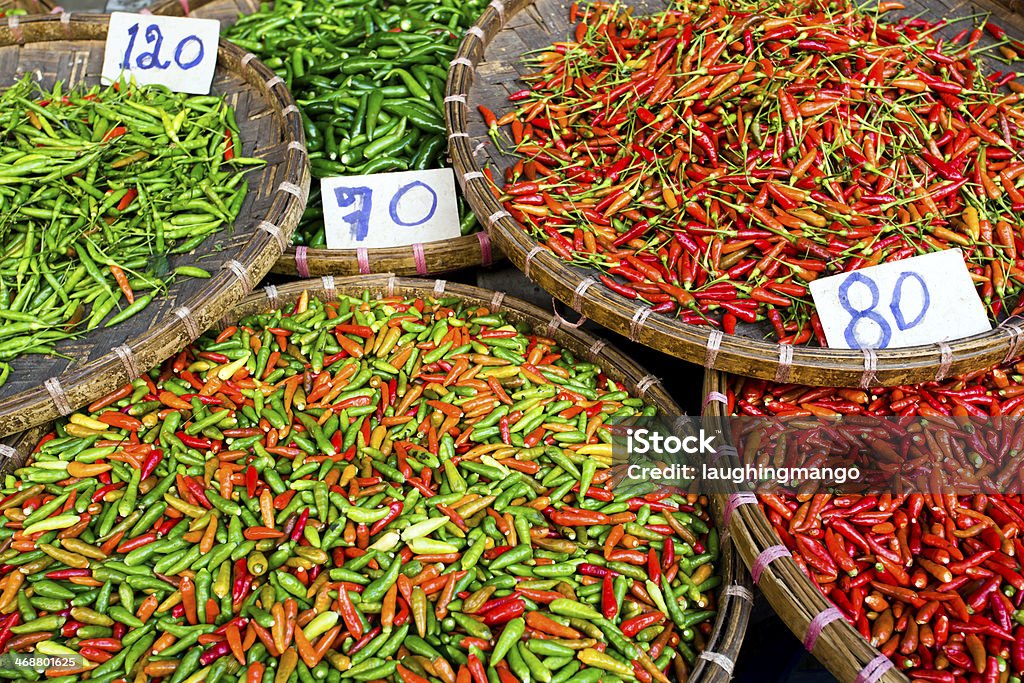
716 159
405 489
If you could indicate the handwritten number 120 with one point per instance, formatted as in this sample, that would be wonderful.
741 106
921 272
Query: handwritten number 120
853 340
151 59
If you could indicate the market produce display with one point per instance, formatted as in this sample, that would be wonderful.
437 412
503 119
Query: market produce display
933 581
97 186
713 160
410 489
369 79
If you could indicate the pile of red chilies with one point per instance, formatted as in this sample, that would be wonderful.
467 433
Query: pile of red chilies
713 163
965 431
933 581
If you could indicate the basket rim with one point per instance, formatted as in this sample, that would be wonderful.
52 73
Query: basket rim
793 596
410 259
60 395
178 8
704 345
735 594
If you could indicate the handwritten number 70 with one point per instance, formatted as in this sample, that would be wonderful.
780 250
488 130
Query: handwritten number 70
359 218
151 59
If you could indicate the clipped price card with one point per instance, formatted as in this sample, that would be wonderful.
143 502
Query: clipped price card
175 52
389 209
921 300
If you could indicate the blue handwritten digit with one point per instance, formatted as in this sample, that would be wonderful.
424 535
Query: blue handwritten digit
897 301
360 218
393 208
150 60
133 31
181 46
857 315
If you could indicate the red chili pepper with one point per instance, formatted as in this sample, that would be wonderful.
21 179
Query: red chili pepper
544 597
300 525
149 465
9 622
632 626
200 442
498 602
242 581
668 555
504 613
102 491
587 569
394 510
115 132
214 652
609 606
229 145
567 516
476 669
137 542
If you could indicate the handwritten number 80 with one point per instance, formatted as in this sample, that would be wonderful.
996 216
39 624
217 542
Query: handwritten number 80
869 313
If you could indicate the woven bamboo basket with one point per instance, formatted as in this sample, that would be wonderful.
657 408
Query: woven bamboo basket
716 663
71 49
809 615
428 258
489 66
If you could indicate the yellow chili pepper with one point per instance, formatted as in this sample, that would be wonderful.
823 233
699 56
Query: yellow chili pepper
600 660
52 524
88 422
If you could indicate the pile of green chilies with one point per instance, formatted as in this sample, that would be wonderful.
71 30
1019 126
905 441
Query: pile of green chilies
713 160
96 188
403 489
368 76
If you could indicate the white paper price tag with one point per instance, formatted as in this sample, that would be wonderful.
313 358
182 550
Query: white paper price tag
389 209
176 52
921 300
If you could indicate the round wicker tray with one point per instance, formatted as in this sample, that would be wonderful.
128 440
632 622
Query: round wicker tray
488 67
70 48
791 594
735 596
428 258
